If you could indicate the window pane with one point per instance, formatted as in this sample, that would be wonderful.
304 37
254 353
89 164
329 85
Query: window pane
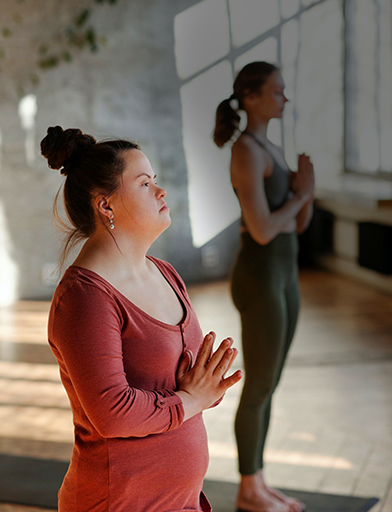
368 85
251 18
385 96
201 36
212 203
288 8
312 55
266 50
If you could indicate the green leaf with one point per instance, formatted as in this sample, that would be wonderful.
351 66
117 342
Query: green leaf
84 16
6 32
43 49
17 18
91 38
67 57
49 62
34 78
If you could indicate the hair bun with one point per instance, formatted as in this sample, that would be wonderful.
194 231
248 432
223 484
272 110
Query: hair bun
59 146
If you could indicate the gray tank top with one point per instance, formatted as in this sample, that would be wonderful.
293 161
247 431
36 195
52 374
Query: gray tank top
276 186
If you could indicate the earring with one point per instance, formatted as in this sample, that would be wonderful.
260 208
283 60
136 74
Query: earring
111 223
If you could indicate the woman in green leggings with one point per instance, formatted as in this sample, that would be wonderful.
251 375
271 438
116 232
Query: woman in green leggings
276 204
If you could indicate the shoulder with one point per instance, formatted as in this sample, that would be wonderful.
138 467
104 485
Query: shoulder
244 143
249 158
82 289
169 272
82 303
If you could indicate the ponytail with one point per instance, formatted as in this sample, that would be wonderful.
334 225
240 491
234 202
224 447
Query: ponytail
227 122
249 80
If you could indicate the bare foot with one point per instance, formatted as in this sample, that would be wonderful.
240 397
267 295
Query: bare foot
293 504
254 498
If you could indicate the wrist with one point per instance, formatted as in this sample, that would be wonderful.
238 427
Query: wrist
191 404
302 198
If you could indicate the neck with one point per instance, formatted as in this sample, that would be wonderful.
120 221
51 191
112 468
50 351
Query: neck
122 258
257 125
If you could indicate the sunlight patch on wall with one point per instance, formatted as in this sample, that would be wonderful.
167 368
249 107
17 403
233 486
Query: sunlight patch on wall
212 203
8 268
201 36
251 18
27 111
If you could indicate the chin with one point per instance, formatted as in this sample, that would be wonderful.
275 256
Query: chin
167 223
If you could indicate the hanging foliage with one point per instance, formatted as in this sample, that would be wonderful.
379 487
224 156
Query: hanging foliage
80 35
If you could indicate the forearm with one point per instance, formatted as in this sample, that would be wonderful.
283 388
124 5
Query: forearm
190 405
305 216
269 227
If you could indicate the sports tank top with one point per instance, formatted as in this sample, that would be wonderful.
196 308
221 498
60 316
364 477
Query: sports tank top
276 186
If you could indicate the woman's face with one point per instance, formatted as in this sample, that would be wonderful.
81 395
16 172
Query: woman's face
270 101
138 205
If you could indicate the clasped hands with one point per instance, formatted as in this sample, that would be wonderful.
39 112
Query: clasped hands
203 383
302 182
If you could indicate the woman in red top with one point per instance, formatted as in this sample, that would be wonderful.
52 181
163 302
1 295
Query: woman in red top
131 352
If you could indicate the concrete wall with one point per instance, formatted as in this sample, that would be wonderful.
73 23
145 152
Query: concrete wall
128 89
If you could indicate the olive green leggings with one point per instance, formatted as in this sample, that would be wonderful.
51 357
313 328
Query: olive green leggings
264 285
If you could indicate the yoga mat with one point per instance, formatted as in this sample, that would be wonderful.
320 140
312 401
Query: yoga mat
35 482
222 497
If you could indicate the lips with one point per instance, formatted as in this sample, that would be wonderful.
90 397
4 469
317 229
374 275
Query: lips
164 207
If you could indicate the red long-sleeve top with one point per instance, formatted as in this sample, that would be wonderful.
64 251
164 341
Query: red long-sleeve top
133 452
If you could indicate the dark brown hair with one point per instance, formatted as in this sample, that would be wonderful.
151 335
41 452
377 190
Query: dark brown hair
249 79
90 168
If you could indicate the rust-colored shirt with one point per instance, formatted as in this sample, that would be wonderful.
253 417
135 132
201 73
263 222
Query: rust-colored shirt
133 452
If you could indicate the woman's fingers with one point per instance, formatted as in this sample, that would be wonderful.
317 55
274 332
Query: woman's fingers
190 354
225 363
205 350
233 356
230 381
218 354
185 364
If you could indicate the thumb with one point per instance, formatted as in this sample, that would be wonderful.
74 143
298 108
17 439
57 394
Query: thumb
185 364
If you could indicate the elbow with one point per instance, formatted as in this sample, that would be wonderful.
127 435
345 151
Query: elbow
110 429
113 429
301 228
262 237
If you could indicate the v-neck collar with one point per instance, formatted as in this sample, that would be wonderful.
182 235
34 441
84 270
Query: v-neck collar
170 281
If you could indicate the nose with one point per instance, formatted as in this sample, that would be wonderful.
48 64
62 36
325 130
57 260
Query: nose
285 99
161 193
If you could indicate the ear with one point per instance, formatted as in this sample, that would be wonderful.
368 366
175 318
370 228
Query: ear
103 206
252 96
